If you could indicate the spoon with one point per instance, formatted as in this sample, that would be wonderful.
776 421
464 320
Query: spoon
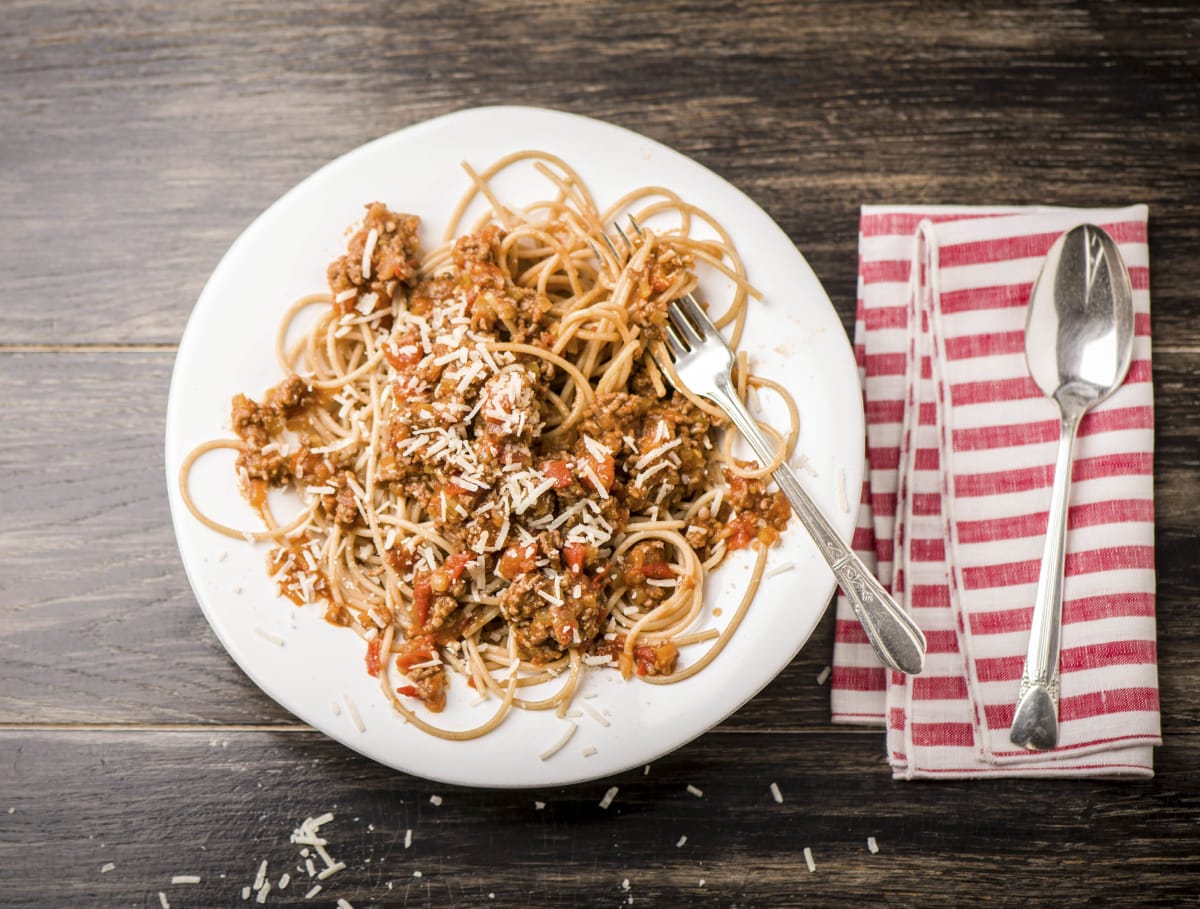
1078 343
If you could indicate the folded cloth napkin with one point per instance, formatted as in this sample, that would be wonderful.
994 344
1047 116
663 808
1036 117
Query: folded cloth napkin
960 458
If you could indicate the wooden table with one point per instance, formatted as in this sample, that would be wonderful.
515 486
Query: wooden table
140 138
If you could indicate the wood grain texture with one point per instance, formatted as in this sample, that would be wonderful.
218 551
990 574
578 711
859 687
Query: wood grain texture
140 138
217 803
162 129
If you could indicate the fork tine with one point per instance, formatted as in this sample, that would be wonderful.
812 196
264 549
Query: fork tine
624 237
677 345
697 314
681 323
637 228
617 257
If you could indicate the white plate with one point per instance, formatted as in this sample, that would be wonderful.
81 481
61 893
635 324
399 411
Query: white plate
794 336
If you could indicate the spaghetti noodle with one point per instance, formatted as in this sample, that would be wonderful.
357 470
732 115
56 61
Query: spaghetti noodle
496 478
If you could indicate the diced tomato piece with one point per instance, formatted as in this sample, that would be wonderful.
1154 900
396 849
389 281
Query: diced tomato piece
656 659
422 599
403 362
605 469
660 571
408 691
457 563
574 555
559 472
373 665
742 531
517 560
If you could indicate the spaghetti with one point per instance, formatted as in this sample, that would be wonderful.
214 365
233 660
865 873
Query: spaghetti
496 478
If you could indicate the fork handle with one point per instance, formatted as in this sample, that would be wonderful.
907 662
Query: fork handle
896 639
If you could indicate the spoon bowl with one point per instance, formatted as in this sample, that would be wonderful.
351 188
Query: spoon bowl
1078 344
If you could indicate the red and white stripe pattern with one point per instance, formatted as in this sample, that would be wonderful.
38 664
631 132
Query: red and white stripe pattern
960 458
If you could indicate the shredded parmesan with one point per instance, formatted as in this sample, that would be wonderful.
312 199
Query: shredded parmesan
823 677
776 794
808 859
593 713
562 741
368 249
872 846
107 867
682 842
355 718
162 900
780 569
435 800
608 797
185 879
698 793
267 636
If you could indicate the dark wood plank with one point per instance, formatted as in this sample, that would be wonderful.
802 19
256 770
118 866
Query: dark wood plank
216 803
98 624
140 139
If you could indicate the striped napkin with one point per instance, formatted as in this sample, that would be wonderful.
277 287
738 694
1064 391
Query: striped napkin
960 457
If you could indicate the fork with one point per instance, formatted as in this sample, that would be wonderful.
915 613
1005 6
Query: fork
701 362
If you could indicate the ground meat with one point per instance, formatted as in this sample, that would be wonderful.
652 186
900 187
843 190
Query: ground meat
544 628
428 683
392 264
647 306
510 409
613 416
257 424
528 615
645 561
342 504
751 513
493 301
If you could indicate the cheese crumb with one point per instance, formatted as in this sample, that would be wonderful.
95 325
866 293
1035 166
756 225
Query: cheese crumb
776 794
185 879
698 793
435 800
682 842
608 797
107 867
808 859
872 846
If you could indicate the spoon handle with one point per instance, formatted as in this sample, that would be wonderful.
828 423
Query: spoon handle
1035 723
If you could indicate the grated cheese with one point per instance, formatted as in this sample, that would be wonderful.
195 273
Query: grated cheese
872 846
593 713
776 794
162 900
107 867
267 636
698 793
608 797
823 677
682 842
355 718
435 800
185 879
780 569
808 859
368 249
562 741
